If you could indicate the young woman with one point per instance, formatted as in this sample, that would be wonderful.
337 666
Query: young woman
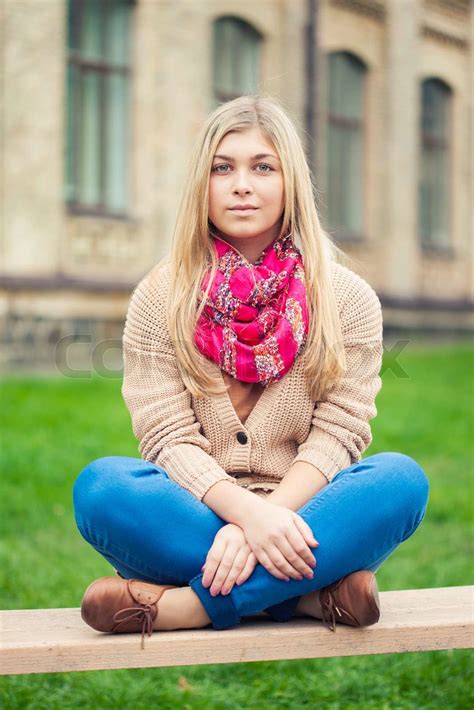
252 360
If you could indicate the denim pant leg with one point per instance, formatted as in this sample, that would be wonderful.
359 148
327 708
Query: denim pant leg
146 525
359 519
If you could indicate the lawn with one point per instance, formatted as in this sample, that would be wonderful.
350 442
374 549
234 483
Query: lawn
52 427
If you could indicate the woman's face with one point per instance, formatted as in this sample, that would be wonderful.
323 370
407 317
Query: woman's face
246 172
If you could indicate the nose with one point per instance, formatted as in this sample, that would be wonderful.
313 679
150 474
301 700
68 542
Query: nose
241 183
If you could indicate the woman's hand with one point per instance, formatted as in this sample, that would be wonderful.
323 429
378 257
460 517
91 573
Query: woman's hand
279 539
229 560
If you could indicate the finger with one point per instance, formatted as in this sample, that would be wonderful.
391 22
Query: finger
223 569
306 531
236 569
213 559
267 562
287 559
297 536
248 569
299 554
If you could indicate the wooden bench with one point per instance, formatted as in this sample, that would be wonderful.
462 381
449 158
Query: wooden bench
56 640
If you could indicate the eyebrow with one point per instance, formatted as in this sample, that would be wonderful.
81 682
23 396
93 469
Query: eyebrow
255 157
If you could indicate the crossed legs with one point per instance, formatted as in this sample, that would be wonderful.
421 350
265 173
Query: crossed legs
150 528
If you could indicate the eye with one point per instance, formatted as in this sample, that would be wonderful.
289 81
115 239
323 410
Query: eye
265 165
215 169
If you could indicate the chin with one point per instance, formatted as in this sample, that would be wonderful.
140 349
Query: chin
245 230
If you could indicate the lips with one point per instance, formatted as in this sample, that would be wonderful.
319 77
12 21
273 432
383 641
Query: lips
244 208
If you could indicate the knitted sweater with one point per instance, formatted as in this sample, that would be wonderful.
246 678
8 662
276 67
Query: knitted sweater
201 440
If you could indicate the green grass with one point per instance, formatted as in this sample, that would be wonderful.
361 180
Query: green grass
52 427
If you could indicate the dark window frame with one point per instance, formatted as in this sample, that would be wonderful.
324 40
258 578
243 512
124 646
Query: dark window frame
444 143
103 68
219 96
333 119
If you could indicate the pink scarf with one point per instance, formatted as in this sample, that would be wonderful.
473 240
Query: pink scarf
255 321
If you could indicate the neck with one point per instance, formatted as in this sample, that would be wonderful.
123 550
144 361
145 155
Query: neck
250 248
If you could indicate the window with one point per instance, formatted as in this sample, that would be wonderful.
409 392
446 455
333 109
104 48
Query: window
97 106
345 145
434 184
236 59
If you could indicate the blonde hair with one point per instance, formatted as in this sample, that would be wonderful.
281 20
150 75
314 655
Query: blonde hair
192 250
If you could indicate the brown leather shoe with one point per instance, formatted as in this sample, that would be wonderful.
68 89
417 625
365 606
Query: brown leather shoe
352 600
122 605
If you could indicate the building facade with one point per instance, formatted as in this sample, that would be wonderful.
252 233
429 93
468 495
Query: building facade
102 100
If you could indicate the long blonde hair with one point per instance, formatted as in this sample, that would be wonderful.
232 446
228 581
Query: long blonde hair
192 250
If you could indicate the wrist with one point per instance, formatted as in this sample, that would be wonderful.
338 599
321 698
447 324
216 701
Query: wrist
300 484
250 509
232 503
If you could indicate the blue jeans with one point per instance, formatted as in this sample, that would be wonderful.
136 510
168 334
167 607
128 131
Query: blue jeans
149 527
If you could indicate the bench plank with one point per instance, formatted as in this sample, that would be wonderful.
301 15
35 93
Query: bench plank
57 640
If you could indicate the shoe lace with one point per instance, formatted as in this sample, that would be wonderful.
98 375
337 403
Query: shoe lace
329 608
143 614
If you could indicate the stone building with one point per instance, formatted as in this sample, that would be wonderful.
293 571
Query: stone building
101 103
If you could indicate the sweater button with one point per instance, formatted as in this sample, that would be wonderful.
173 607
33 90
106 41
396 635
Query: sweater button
242 437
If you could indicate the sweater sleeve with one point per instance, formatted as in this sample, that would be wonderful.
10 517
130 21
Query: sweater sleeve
159 403
340 430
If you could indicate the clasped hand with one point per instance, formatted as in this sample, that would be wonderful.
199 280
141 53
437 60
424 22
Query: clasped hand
277 537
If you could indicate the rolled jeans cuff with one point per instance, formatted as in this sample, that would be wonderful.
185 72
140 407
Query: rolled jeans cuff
220 609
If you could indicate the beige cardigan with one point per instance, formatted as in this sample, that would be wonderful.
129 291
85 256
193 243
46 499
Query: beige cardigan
200 441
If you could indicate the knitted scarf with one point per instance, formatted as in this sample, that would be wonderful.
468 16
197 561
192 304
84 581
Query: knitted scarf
255 320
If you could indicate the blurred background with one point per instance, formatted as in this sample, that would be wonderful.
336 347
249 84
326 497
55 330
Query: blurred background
102 102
